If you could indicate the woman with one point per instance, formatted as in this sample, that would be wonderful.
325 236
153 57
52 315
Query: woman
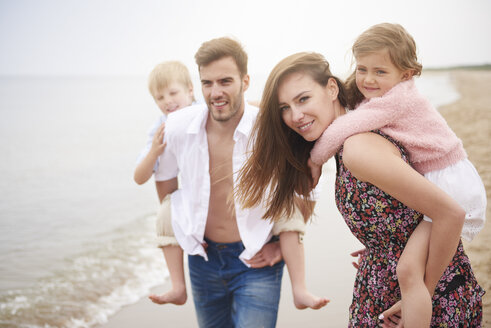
379 195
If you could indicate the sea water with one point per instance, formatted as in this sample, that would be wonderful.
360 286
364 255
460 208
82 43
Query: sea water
77 234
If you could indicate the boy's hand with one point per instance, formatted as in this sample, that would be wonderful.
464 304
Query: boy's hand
158 144
315 172
392 317
359 254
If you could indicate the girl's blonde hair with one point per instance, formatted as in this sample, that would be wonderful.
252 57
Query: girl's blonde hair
166 73
277 170
386 36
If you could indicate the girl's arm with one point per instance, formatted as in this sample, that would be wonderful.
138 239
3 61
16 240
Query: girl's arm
370 115
365 118
374 159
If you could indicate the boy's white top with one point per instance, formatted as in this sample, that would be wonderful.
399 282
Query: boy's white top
148 145
187 154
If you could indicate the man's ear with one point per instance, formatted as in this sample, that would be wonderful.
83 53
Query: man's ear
245 81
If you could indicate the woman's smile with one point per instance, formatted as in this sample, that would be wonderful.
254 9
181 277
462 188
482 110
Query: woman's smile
306 106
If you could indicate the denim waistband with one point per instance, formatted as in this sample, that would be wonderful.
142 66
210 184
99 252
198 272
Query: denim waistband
236 246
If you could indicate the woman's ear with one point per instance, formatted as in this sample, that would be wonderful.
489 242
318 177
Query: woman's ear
332 88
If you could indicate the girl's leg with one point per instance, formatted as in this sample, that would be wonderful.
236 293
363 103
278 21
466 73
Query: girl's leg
416 300
293 254
177 295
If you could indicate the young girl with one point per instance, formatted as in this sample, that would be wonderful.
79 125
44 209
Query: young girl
170 85
383 91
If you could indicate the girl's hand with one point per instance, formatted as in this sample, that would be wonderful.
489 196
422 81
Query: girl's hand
359 253
158 144
391 318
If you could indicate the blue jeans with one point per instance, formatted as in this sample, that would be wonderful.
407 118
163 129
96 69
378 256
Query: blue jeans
229 294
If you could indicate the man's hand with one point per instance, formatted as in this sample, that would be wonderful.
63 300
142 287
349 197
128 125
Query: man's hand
270 254
315 172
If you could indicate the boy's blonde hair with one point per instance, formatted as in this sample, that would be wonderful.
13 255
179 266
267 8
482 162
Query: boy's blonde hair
219 48
167 72
386 36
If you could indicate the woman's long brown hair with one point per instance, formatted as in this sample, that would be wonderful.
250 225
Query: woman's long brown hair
276 170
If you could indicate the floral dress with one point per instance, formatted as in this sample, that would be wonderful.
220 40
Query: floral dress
383 225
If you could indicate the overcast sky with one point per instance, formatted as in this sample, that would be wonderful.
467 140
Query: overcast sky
114 37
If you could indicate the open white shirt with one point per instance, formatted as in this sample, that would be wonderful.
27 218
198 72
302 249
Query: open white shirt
187 154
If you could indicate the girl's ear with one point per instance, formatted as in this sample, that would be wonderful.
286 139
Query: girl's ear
407 75
332 88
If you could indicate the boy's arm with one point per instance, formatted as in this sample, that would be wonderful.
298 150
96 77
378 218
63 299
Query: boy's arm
363 119
144 169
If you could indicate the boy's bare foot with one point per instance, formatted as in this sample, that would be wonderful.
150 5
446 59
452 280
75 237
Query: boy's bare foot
304 299
171 297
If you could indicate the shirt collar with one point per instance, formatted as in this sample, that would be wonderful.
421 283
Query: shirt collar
245 124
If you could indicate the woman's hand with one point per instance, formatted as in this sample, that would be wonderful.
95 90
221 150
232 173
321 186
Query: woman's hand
391 318
359 253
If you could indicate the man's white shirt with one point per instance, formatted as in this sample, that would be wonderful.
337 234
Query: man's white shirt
187 154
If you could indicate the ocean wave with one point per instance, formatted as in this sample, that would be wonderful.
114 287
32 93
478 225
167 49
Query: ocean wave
93 285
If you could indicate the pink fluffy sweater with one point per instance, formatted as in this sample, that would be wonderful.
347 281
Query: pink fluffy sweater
405 115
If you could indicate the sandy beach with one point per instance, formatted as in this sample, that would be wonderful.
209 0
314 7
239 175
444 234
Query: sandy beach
470 118
328 241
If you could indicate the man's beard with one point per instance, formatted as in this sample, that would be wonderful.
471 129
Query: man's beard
235 106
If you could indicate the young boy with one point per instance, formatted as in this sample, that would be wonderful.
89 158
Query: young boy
170 85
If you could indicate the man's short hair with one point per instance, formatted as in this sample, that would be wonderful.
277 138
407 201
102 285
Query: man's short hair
219 48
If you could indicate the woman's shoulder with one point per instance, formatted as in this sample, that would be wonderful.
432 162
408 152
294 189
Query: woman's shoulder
367 143
369 148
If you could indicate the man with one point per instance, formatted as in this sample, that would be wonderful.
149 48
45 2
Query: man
206 144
